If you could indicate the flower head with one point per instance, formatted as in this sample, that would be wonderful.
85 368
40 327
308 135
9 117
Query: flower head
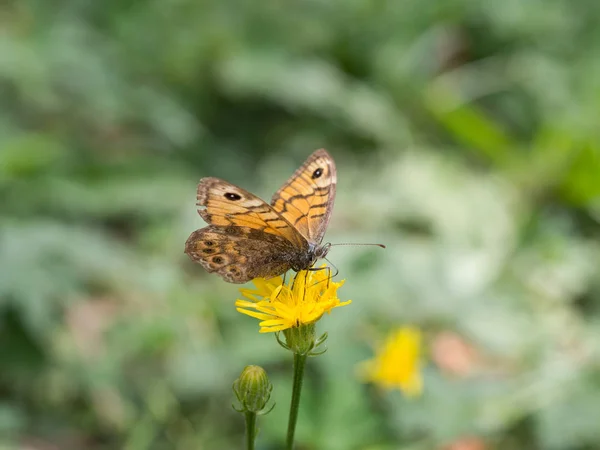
300 302
397 362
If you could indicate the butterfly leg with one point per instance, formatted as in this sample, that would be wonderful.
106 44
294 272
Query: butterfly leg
282 284
329 276
314 269
305 281
335 267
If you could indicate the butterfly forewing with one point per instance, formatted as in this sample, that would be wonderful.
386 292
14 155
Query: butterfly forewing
229 205
306 199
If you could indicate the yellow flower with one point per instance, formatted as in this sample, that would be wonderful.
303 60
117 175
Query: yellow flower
281 306
397 362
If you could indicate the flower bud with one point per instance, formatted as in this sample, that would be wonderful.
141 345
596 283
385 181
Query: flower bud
253 389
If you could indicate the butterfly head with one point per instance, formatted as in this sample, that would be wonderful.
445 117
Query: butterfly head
309 258
320 251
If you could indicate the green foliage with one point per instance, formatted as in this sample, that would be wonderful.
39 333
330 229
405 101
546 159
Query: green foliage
466 138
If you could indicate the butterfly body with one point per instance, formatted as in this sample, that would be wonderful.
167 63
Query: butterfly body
248 238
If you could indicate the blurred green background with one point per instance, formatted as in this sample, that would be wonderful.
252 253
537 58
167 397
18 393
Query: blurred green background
466 138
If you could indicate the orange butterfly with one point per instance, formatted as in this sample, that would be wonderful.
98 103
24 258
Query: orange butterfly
247 238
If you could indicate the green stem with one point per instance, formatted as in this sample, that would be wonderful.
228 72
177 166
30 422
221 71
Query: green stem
250 429
299 363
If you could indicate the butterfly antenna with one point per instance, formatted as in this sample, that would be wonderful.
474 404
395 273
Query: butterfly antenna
351 243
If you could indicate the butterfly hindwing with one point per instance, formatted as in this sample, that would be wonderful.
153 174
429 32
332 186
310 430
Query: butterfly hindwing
239 254
306 199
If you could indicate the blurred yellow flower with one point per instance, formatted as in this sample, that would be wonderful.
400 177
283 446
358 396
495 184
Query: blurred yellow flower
281 306
397 362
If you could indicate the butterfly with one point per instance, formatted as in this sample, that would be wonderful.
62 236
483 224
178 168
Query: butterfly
247 238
